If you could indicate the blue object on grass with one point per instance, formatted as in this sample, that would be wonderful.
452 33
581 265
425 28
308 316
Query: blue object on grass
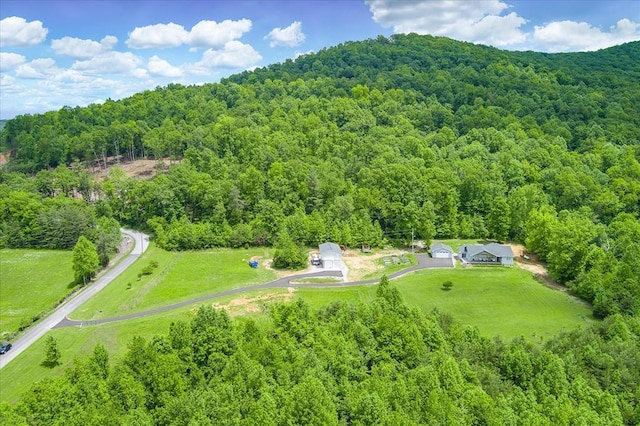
253 263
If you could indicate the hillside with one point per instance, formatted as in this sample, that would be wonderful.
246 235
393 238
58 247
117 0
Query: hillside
365 142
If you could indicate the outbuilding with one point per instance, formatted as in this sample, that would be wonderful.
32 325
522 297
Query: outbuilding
441 251
331 255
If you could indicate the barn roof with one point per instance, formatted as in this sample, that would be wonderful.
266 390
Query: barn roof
330 251
440 246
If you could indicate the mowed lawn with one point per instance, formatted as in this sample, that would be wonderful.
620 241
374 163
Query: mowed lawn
31 281
179 276
500 301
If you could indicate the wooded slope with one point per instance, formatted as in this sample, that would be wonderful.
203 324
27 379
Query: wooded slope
369 140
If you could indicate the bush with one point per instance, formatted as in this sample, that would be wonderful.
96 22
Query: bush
288 254
447 285
148 270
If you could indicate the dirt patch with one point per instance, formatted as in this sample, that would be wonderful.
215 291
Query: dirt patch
138 169
533 265
244 305
4 157
361 265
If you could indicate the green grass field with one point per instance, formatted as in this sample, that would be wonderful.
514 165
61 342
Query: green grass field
25 274
179 276
500 301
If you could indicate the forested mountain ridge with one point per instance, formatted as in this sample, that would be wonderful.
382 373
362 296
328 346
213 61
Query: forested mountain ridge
364 141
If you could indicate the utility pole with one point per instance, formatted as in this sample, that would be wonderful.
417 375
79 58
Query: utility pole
411 240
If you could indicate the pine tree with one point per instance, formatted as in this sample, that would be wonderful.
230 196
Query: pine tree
52 353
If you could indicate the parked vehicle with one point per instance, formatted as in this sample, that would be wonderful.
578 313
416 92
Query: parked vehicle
5 348
315 259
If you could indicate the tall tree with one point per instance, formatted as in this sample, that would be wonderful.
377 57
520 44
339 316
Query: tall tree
85 260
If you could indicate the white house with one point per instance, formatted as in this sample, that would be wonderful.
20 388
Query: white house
441 251
331 255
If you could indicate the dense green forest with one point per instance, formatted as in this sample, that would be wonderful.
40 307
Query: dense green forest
351 364
362 142
359 144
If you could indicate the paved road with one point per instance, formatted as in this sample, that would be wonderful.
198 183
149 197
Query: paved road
141 242
424 262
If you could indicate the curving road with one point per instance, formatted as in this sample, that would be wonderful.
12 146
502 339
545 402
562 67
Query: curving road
424 262
141 243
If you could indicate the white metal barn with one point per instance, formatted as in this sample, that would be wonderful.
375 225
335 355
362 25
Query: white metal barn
331 256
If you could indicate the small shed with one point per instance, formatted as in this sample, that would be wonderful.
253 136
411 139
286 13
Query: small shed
331 255
441 251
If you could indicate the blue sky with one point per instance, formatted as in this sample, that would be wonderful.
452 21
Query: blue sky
57 53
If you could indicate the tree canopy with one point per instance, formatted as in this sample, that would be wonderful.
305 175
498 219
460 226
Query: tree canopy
375 363
362 143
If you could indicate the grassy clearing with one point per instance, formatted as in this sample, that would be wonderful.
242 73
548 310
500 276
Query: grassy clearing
179 276
25 273
499 301
504 301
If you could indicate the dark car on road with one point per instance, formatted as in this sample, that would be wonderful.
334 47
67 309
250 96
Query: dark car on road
5 348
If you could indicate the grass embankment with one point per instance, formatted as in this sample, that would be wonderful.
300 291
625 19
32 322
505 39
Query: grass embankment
31 282
179 276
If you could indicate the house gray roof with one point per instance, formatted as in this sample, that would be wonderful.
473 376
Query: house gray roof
440 246
495 249
330 251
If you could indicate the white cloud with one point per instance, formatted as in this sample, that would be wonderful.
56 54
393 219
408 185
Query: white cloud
6 80
109 63
10 61
476 21
291 36
235 54
157 36
16 31
38 68
565 36
163 68
109 42
79 48
213 34
202 34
